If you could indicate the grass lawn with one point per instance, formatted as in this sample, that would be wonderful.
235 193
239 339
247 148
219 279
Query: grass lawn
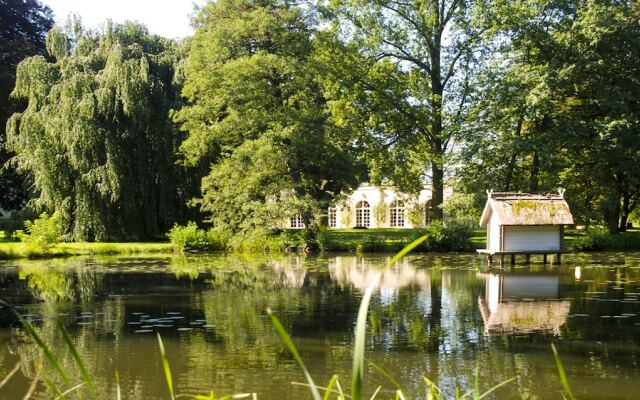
384 240
10 249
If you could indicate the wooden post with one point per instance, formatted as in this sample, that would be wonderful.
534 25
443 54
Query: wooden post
528 259
501 260
559 258
490 258
513 259
544 258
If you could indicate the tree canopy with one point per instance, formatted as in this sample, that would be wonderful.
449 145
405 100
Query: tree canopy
96 136
23 26
257 114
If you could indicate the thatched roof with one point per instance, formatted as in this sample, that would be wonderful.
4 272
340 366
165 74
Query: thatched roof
525 317
527 209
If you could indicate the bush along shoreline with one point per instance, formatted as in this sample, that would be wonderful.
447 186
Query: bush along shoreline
43 238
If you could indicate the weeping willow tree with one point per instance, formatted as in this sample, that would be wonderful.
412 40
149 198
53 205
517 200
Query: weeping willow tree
96 136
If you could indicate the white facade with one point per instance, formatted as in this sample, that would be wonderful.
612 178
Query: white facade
532 238
372 207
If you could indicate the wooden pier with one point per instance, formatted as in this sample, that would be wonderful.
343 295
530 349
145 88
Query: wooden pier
545 254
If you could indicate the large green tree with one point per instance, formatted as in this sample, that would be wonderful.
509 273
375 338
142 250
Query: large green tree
23 27
401 73
256 113
96 137
560 108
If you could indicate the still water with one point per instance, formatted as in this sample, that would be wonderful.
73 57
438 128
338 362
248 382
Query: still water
439 316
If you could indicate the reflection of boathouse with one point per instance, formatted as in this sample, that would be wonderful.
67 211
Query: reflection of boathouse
523 304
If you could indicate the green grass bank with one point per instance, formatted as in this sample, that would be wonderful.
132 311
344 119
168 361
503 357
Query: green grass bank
333 240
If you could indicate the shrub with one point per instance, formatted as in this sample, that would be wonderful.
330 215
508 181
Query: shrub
453 236
42 233
599 238
190 237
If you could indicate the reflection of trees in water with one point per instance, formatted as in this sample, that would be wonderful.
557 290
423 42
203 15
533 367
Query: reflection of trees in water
58 280
88 342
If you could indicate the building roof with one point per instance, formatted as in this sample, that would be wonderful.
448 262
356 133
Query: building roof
513 208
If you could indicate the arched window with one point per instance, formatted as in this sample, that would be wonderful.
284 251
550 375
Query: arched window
397 214
296 222
333 217
363 214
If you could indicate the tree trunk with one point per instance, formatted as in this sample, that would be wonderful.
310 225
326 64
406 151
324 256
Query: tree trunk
624 212
437 161
514 156
612 213
535 173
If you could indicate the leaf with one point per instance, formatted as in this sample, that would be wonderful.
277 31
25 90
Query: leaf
292 348
166 367
361 322
74 352
561 372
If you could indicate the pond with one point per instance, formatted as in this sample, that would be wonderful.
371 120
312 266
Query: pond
436 315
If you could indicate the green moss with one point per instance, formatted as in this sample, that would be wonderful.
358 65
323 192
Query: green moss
525 205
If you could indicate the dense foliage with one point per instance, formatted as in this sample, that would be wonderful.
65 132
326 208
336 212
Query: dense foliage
96 137
560 108
274 109
23 27
257 113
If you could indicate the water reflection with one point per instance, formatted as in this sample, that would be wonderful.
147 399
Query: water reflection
359 272
434 315
521 303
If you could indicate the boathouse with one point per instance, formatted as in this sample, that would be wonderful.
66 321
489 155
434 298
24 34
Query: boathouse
524 223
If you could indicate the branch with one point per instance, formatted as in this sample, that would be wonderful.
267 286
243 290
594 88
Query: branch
463 50
409 57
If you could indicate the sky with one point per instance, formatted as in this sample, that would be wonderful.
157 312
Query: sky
168 18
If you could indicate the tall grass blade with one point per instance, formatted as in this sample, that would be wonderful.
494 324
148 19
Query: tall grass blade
294 351
52 386
9 375
339 387
406 250
361 323
332 381
34 384
118 392
373 396
476 392
74 352
73 389
496 387
433 391
384 373
562 373
45 349
166 367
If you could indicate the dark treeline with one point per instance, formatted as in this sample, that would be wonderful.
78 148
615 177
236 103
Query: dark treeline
273 109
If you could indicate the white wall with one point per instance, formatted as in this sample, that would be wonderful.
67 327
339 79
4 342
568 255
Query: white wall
493 227
531 238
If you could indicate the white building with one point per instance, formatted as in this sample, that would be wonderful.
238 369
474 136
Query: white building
372 207
522 223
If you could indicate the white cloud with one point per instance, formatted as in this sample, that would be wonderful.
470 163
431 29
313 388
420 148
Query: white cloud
169 18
